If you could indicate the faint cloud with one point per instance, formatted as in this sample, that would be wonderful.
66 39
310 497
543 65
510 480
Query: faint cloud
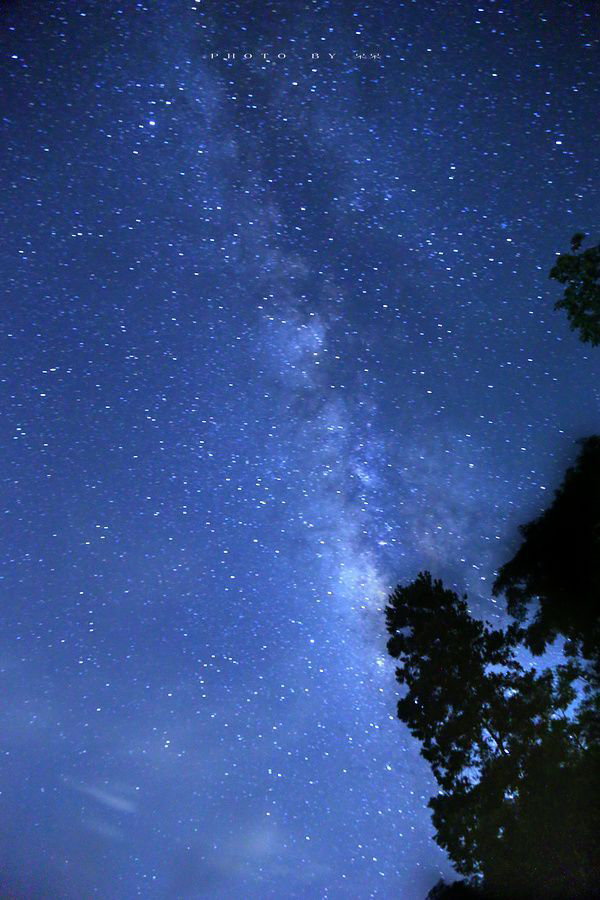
105 797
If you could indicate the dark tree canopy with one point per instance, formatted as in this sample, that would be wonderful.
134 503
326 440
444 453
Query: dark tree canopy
557 567
580 272
515 749
458 890
516 809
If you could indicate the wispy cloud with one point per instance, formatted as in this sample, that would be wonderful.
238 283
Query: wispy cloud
105 797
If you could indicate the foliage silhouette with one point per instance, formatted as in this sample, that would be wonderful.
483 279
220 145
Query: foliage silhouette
556 571
558 563
517 775
581 298
457 890
515 749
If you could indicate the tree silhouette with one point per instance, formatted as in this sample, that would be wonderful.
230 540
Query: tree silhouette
557 567
556 570
515 749
458 890
581 298
515 809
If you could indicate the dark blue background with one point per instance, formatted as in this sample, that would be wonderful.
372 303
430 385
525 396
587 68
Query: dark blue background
275 336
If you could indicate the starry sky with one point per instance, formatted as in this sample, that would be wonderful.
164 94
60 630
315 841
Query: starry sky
277 333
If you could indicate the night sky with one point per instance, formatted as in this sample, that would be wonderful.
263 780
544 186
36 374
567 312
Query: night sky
276 335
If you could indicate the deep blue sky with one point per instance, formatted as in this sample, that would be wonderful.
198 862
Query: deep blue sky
276 335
